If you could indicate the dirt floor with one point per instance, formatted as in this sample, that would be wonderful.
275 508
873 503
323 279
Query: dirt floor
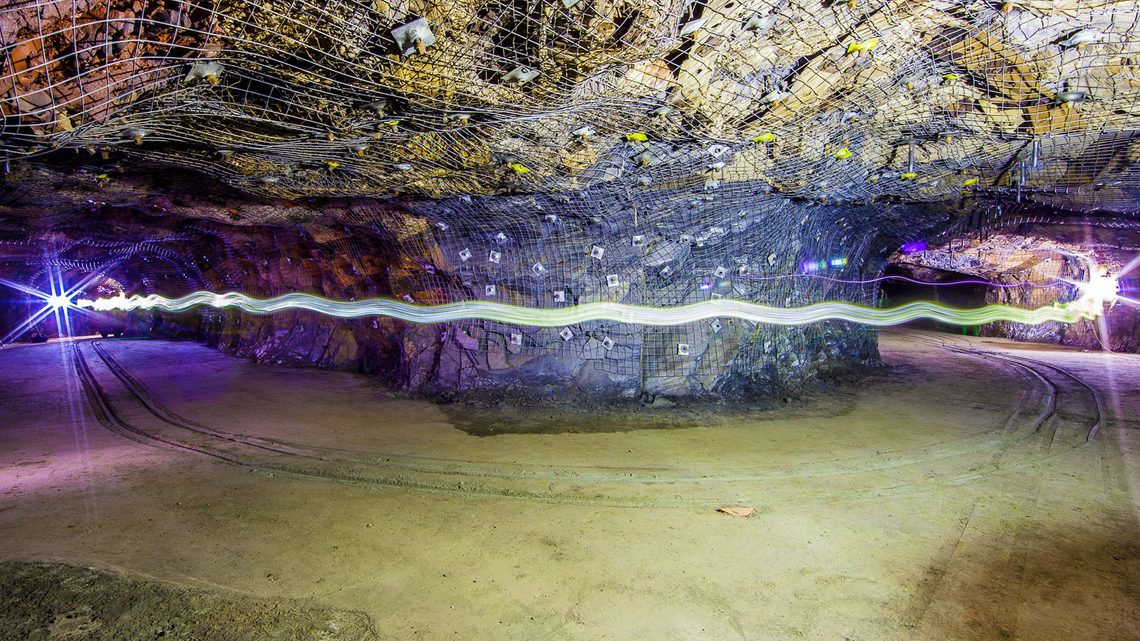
955 496
59 601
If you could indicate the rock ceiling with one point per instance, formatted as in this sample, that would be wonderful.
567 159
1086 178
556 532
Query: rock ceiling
842 101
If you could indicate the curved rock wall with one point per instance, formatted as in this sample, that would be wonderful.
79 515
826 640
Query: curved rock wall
1048 256
548 252
597 256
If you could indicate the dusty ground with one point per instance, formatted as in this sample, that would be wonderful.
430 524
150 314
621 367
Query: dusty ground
920 506
58 601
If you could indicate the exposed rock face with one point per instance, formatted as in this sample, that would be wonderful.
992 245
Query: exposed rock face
640 252
1034 269
423 261
68 60
843 100
634 253
551 154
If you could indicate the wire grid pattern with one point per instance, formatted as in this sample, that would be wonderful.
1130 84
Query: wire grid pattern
852 100
672 248
751 146
634 249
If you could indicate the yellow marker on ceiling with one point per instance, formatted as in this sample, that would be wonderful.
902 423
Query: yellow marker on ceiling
765 137
909 175
636 137
843 154
866 45
332 164
951 76
518 167
972 181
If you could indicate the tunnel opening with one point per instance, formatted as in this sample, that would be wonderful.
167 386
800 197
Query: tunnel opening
428 255
569 319
905 283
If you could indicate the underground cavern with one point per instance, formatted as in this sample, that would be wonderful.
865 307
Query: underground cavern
573 319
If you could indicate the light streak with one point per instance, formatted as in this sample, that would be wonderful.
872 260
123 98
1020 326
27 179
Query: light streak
879 279
1132 264
633 314
57 300
27 324
1099 290
1103 288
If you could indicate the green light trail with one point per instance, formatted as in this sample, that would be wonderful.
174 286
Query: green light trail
621 312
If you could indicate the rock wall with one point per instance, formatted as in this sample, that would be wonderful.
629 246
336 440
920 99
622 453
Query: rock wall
649 259
549 252
835 100
1045 258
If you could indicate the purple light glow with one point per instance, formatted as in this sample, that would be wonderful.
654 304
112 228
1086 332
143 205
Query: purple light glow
869 281
57 301
914 246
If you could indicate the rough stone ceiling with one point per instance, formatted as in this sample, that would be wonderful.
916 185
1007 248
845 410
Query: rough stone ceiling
842 101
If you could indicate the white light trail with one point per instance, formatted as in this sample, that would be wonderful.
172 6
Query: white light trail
634 314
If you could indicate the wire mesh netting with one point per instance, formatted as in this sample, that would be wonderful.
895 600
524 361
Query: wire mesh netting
636 250
834 100
549 154
670 249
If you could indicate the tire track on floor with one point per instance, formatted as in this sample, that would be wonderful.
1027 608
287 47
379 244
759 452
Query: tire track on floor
609 486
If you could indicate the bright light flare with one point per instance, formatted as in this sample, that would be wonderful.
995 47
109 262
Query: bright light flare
1099 290
1102 288
57 300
